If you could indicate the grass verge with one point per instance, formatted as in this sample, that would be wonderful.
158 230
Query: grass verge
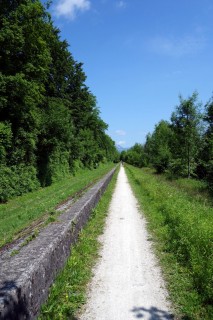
20 212
68 293
181 227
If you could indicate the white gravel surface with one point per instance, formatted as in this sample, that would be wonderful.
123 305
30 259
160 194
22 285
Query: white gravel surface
127 281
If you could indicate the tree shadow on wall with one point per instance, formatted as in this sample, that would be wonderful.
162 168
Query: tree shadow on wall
153 313
12 308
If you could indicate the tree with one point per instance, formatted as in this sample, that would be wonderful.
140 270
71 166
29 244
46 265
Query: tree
55 142
49 119
187 133
161 146
149 149
206 152
24 65
134 156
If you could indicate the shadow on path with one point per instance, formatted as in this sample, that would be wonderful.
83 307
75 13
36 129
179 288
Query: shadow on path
12 305
153 313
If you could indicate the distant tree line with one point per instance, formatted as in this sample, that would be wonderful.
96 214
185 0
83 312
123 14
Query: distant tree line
182 146
49 120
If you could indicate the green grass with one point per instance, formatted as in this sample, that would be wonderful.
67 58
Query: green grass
181 226
23 211
197 189
192 187
68 293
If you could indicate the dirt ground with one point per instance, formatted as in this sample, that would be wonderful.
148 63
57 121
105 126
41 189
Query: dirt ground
127 282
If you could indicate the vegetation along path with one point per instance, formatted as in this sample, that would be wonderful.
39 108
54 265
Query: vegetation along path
127 282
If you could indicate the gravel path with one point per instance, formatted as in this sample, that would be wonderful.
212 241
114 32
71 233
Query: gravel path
127 282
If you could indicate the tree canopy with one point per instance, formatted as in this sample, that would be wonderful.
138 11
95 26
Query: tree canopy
182 146
49 120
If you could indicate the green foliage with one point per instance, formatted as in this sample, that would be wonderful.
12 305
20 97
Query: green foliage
23 33
158 146
206 152
109 150
89 147
182 227
55 140
134 155
5 140
18 106
49 119
182 147
17 180
186 126
175 146
57 167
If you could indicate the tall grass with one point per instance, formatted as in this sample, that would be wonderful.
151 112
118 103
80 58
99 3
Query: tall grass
20 212
182 226
68 293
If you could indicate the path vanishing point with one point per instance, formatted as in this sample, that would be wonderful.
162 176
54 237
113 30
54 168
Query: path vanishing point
127 282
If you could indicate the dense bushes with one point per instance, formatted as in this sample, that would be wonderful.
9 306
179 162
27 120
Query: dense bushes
16 180
49 119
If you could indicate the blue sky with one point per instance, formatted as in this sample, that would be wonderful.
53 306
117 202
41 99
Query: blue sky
139 55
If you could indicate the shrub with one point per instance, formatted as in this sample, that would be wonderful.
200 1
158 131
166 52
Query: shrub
17 180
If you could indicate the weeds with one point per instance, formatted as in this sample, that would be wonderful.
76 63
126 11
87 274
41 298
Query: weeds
30 238
14 252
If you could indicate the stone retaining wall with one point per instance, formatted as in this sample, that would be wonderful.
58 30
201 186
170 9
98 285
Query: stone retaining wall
26 277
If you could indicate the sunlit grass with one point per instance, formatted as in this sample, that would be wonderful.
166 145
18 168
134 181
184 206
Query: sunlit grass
192 187
21 211
181 225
